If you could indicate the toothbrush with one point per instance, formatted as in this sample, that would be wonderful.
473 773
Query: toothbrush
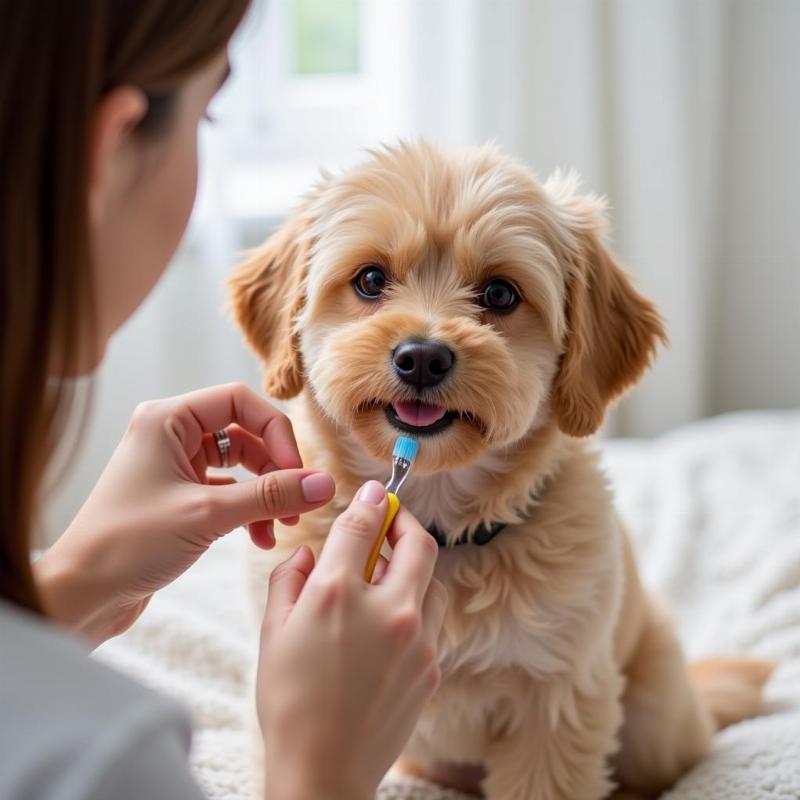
403 455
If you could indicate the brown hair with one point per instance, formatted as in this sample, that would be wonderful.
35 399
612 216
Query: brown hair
58 60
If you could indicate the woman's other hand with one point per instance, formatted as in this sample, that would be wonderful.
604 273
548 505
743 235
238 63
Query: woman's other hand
155 510
346 666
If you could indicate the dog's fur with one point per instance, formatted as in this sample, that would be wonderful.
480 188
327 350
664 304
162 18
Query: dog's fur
561 676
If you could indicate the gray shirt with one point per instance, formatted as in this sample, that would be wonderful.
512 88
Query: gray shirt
73 729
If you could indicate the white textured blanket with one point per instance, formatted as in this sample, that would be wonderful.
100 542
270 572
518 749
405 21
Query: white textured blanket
715 512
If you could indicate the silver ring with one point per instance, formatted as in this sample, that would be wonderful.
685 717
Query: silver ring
223 445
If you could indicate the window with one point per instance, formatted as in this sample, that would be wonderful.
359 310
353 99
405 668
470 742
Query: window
314 82
325 35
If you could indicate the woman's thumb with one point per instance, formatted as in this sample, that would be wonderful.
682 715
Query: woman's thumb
281 493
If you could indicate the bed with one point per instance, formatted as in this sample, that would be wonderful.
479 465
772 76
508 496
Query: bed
714 509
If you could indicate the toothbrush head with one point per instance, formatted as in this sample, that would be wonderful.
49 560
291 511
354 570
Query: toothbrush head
406 448
403 455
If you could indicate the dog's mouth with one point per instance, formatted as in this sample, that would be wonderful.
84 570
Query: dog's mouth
421 419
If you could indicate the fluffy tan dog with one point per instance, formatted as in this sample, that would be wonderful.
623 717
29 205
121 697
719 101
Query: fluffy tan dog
451 296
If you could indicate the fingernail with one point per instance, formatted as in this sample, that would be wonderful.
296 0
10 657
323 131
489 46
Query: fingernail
317 487
372 492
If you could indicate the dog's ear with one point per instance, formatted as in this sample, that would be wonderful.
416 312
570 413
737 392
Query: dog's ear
267 294
612 330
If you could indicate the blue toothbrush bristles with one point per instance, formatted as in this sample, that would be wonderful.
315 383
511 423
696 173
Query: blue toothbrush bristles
406 448
405 451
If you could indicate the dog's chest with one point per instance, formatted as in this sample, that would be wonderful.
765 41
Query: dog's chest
501 616
468 712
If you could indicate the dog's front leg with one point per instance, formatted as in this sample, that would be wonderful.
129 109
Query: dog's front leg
556 745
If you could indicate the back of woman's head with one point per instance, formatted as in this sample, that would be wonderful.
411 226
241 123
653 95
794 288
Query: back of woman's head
57 61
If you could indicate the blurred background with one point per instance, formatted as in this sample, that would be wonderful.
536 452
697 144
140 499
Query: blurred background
685 113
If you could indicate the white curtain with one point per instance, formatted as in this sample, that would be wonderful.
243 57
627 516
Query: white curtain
685 113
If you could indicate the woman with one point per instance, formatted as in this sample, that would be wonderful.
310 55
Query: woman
99 107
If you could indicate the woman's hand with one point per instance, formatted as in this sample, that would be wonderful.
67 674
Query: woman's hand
155 511
346 666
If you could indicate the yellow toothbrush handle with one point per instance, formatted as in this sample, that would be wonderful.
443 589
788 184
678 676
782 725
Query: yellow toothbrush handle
391 512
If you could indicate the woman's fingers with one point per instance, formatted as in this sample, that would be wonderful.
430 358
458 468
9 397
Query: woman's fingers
420 662
282 493
414 553
262 533
380 569
285 584
433 610
209 410
245 449
354 532
220 480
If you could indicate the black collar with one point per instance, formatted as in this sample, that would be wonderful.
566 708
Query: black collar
483 534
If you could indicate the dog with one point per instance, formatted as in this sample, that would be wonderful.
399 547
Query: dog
451 296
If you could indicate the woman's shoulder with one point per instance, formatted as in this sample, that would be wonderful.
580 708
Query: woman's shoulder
41 661
58 706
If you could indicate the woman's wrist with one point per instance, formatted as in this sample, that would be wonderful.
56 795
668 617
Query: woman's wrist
301 788
297 778
73 594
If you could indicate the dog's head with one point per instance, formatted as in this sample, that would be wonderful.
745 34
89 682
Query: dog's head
446 295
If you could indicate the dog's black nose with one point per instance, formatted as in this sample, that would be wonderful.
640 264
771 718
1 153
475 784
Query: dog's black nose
422 363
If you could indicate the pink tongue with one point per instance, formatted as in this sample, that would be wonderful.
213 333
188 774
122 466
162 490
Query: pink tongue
420 415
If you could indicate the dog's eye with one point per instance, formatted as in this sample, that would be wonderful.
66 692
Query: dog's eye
499 295
370 282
